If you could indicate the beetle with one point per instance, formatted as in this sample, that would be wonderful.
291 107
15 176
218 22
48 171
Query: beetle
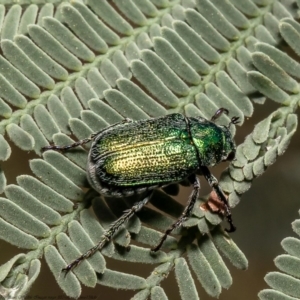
133 157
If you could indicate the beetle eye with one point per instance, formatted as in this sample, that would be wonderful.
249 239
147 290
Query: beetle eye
231 156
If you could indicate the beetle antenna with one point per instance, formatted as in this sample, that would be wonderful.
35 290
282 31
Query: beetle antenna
234 121
218 113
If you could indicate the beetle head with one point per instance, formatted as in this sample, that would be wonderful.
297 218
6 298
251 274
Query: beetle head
229 147
214 143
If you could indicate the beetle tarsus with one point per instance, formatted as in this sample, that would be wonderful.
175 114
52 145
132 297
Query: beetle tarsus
68 268
213 182
231 229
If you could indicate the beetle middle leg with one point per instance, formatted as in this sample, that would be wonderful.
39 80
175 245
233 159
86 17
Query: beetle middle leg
109 233
213 182
186 213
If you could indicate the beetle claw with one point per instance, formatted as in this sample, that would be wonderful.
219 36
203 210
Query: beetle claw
232 228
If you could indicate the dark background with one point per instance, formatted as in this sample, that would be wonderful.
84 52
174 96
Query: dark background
263 219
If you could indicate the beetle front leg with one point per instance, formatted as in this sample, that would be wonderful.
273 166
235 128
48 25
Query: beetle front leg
213 182
109 233
186 213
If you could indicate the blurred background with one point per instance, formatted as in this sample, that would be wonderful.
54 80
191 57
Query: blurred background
263 218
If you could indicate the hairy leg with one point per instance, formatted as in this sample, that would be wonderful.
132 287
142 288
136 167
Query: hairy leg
186 213
108 234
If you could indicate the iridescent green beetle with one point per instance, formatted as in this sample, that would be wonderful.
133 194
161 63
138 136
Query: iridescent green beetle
132 157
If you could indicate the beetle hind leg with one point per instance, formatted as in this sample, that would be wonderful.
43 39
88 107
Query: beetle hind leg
109 233
186 213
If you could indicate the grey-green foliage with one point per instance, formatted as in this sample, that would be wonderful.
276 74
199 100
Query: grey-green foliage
74 67
285 286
